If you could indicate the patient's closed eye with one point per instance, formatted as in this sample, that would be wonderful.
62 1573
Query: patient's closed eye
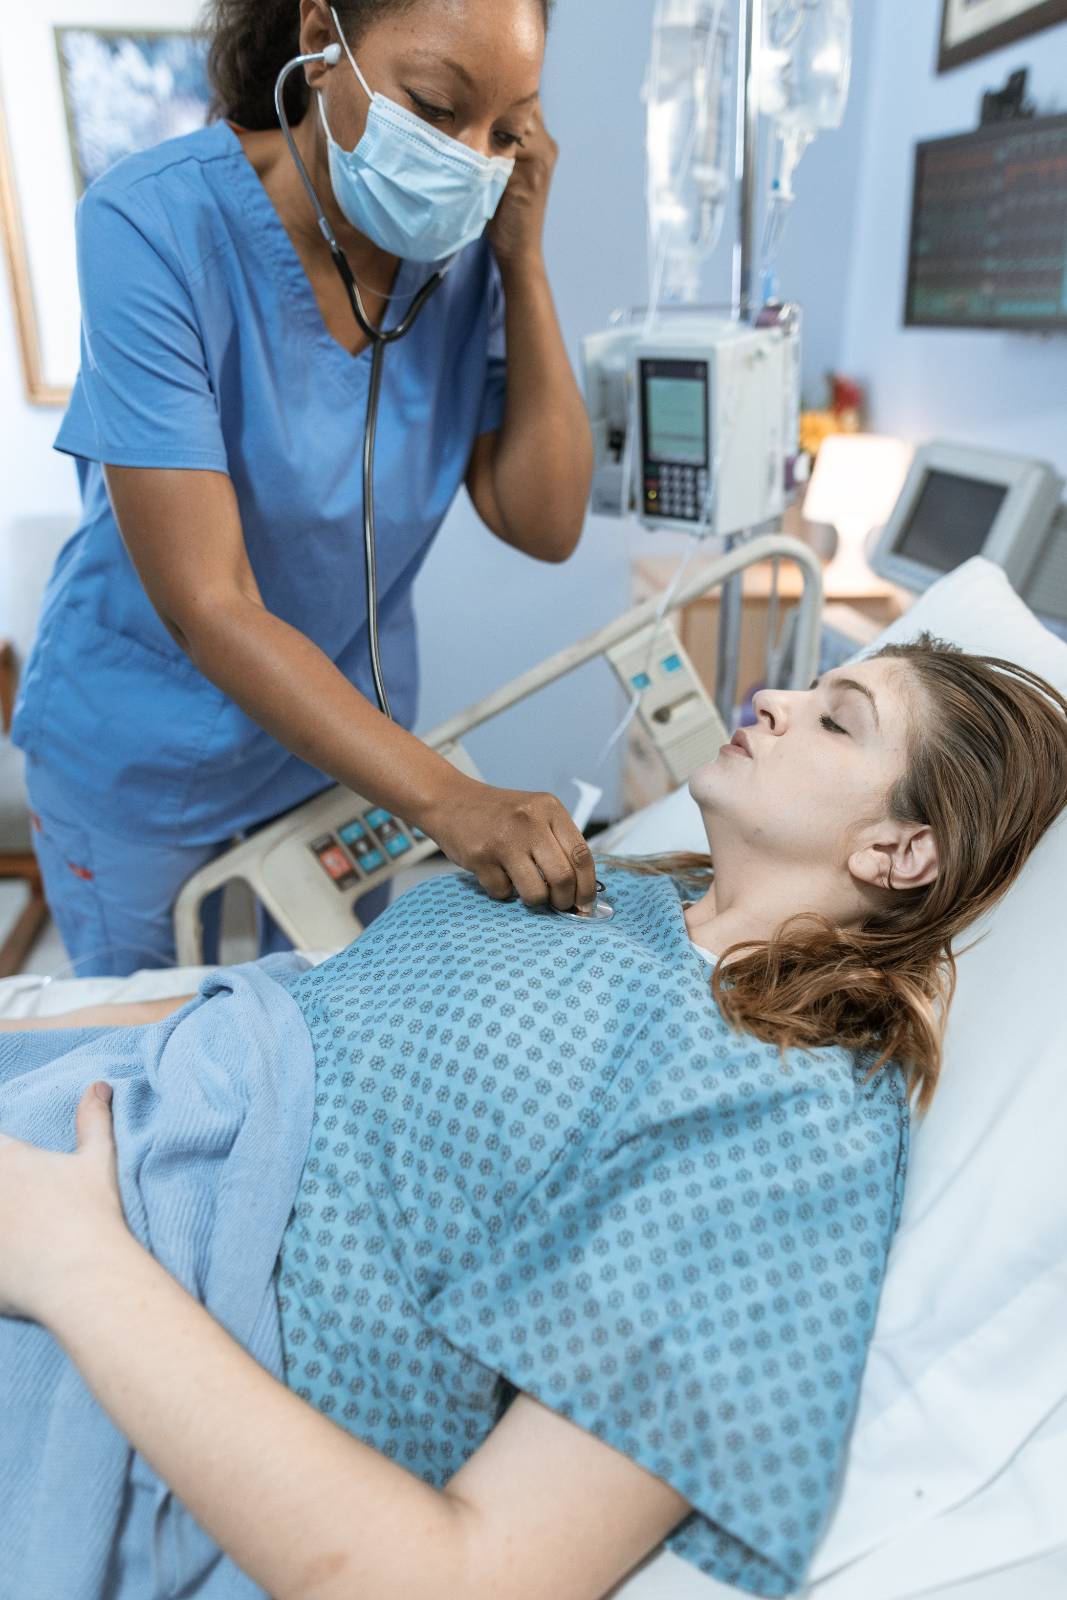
830 724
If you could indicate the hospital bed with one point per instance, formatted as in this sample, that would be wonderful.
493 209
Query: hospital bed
956 1480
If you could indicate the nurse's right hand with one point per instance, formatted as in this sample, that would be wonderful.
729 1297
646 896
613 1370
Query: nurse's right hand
515 843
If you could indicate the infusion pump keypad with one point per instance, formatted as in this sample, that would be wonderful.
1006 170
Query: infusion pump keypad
677 492
361 848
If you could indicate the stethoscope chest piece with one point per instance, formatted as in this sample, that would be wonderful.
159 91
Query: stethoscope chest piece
602 911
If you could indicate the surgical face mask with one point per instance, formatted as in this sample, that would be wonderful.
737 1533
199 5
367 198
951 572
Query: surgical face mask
413 190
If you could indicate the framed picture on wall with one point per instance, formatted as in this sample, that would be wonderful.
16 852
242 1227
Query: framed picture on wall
111 77
125 91
972 28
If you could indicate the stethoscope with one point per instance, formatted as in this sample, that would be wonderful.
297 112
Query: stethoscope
379 339
601 911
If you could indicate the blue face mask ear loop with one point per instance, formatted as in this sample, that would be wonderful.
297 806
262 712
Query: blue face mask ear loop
379 339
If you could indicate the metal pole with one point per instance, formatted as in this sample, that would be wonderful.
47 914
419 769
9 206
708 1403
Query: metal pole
749 49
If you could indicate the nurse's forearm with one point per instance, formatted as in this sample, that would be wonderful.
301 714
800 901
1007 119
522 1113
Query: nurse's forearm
307 1511
543 463
289 686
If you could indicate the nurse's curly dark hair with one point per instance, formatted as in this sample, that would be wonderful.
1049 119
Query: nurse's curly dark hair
251 40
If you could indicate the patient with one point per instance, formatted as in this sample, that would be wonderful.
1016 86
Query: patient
579 1241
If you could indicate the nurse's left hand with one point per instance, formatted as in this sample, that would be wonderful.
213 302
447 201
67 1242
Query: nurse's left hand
57 1212
517 229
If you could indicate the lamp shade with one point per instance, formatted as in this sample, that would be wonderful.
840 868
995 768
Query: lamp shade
857 480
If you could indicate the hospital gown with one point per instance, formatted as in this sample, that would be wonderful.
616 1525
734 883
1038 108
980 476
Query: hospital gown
541 1161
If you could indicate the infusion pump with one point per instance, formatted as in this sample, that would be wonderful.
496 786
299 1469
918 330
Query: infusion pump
694 422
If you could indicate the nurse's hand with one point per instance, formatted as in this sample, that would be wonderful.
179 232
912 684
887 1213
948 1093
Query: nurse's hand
517 229
515 843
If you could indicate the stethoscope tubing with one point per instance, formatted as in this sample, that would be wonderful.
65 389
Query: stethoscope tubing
379 339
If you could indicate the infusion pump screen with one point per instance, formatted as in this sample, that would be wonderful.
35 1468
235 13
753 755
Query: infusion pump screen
951 521
676 417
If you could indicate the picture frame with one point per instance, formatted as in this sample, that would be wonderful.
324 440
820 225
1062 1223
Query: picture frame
88 56
973 28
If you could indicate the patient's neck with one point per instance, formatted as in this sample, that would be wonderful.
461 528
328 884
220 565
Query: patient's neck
750 900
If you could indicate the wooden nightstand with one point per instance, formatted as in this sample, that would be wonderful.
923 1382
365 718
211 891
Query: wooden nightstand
863 610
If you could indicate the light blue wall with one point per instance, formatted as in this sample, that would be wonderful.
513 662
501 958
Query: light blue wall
485 613
1006 391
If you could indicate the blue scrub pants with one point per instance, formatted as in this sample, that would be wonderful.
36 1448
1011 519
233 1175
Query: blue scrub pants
112 898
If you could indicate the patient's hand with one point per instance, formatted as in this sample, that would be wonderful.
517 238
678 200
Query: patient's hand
130 1014
57 1212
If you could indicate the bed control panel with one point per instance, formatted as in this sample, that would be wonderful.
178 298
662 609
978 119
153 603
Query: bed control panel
311 866
362 847
675 709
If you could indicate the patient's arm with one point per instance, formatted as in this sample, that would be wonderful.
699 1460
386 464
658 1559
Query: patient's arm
130 1014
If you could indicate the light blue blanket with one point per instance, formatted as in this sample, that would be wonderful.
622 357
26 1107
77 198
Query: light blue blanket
212 1121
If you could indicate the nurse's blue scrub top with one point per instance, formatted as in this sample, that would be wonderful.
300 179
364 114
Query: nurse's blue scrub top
203 347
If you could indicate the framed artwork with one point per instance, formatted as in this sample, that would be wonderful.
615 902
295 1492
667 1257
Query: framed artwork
109 77
127 91
972 28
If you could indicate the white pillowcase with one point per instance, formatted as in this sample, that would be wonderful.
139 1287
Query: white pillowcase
967 1361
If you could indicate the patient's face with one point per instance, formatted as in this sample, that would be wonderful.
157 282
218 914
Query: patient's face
821 763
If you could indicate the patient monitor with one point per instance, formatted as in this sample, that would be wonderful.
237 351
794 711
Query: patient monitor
959 502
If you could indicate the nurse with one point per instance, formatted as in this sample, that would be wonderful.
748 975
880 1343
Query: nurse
202 660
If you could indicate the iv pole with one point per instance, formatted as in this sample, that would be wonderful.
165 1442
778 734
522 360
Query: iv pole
743 309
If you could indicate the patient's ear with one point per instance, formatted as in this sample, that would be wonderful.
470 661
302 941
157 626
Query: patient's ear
900 856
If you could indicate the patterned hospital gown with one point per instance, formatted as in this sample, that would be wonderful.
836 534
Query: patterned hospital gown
541 1161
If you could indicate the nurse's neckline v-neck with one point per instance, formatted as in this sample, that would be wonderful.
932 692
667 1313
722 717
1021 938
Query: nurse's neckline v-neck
294 279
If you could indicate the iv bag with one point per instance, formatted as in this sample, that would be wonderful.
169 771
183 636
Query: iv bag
807 64
805 71
688 146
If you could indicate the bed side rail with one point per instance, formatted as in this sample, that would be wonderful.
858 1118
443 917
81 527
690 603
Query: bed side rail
309 867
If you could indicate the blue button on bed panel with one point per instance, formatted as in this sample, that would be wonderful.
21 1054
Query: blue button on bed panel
641 681
672 664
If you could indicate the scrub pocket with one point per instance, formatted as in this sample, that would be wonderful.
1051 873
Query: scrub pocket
112 899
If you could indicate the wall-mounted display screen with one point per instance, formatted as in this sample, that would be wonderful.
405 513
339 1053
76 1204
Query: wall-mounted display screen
989 229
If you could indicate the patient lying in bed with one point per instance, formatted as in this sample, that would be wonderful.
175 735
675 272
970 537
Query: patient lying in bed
645 1171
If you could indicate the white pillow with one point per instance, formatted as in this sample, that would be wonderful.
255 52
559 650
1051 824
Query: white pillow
968 1354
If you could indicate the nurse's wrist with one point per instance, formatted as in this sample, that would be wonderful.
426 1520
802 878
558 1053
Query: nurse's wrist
439 800
524 264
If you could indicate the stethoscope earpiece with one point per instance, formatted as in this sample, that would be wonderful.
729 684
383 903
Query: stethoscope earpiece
332 54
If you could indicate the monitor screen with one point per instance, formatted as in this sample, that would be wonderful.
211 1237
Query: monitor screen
951 520
989 228
676 419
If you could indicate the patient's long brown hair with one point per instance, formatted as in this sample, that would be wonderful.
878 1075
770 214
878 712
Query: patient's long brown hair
987 772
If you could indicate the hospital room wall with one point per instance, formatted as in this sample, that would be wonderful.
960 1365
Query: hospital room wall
999 390
486 614
38 490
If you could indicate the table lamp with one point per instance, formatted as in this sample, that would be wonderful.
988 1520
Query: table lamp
856 483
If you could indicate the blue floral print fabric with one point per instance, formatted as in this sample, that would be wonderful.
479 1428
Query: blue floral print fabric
541 1161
